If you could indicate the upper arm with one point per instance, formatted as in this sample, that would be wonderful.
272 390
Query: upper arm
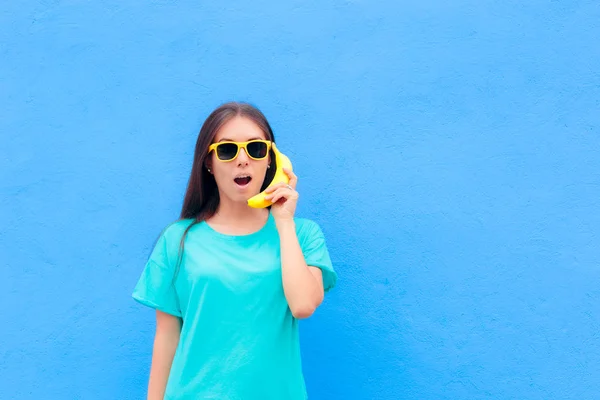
167 323
156 287
316 254
318 274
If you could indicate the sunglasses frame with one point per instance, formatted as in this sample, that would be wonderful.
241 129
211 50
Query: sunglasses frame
240 145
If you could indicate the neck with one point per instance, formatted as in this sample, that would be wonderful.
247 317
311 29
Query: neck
230 211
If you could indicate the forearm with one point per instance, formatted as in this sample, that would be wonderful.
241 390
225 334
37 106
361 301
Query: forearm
302 289
165 344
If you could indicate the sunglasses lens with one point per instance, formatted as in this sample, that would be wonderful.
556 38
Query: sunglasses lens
226 151
257 149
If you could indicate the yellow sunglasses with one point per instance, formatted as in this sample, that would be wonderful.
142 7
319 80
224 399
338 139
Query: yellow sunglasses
228 151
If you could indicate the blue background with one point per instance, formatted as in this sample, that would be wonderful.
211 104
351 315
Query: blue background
449 150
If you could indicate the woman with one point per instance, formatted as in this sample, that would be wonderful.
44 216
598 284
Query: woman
230 282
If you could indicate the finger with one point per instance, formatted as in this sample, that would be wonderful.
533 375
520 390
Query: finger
292 176
275 187
277 198
279 185
276 193
282 192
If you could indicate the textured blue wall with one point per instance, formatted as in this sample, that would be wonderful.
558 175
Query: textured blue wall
449 150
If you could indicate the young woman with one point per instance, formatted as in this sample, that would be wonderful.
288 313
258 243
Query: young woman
230 282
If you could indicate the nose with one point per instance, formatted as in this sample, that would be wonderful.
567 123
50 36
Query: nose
243 158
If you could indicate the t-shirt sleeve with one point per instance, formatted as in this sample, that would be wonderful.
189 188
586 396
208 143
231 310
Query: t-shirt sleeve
316 254
155 287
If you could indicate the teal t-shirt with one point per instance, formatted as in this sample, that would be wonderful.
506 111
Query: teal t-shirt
239 340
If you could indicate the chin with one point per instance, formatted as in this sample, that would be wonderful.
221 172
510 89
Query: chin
241 195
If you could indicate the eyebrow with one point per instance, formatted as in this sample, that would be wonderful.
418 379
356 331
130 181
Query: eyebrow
230 140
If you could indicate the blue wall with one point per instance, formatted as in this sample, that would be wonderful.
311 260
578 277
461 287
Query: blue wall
449 150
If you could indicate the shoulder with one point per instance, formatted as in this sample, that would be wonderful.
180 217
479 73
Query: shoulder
307 229
305 223
176 228
167 243
173 232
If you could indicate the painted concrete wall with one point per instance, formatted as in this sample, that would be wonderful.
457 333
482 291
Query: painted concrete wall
449 150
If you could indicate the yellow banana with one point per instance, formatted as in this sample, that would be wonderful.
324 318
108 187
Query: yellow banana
282 161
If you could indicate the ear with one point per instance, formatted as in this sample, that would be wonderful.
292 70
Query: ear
208 165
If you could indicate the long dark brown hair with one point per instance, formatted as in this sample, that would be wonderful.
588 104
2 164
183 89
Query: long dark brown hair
202 196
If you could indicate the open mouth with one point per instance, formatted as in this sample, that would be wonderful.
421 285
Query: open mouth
242 180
